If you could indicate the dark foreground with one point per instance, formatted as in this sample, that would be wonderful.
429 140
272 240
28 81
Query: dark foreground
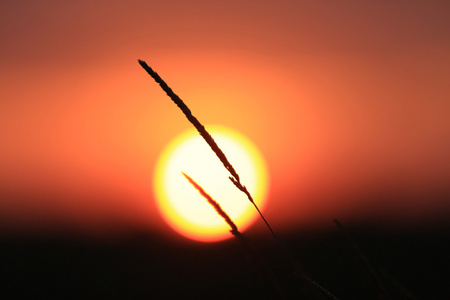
142 266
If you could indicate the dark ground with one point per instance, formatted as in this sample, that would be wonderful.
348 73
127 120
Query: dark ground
149 267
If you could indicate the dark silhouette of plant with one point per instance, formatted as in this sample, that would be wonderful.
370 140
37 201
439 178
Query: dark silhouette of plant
309 286
205 134
234 230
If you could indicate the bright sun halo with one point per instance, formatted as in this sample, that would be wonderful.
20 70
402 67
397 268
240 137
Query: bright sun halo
179 202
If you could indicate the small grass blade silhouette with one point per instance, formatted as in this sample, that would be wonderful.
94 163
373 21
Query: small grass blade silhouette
217 207
205 134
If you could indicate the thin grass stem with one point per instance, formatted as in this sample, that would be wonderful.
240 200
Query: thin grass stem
205 134
214 204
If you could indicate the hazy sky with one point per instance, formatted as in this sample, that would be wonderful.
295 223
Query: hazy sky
348 102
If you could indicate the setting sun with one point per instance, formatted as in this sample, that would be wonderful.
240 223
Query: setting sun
179 202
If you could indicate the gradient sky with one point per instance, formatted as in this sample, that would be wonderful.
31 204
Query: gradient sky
348 102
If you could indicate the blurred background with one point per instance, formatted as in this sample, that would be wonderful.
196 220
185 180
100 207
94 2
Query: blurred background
348 102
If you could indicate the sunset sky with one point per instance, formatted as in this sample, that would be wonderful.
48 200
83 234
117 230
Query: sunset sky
347 101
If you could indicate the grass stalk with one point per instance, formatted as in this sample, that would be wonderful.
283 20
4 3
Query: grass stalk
304 280
206 136
234 230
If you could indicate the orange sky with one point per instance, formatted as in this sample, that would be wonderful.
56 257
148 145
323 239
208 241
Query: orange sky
349 103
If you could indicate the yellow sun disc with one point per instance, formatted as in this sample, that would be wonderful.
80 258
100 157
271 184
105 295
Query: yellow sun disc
181 205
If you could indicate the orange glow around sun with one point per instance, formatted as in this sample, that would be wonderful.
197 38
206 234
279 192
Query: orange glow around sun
180 204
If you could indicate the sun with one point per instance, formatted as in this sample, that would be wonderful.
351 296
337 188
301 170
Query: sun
180 204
